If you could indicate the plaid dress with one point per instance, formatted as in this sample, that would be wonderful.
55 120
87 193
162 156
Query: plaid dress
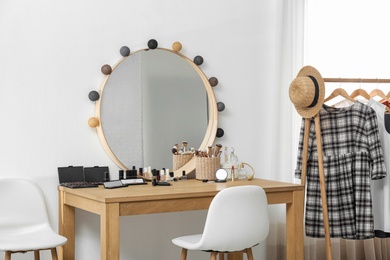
352 155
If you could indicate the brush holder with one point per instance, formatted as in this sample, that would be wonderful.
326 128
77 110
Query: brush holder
206 167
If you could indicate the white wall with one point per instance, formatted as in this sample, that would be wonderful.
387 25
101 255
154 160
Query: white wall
51 53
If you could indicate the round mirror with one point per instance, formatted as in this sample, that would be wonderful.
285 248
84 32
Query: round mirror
151 100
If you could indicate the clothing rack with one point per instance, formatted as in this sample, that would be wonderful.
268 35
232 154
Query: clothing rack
356 80
358 92
336 92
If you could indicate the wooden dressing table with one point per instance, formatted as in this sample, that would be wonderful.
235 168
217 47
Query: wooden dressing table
110 204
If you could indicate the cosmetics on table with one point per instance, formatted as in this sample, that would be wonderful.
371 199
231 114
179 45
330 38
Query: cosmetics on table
154 177
183 176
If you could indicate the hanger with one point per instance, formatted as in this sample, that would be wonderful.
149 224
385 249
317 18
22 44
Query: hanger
339 92
360 92
379 93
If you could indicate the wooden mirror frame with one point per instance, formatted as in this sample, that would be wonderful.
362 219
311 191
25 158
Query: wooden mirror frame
212 126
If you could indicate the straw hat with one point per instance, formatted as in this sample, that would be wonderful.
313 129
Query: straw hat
307 92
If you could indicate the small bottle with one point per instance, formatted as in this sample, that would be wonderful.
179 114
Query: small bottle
154 178
232 173
184 176
167 177
133 172
162 175
149 171
233 158
226 155
146 173
171 176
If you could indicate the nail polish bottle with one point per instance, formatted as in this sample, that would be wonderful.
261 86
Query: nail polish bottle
184 176
171 176
154 178
162 175
166 174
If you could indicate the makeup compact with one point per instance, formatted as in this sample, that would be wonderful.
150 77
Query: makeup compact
221 175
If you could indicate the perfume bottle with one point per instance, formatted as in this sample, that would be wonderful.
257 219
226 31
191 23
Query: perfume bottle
233 159
225 155
242 174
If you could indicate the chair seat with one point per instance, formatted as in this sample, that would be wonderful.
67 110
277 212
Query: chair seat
189 242
27 240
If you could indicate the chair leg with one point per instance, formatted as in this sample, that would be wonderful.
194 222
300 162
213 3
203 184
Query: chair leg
249 253
54 253
221 256
213 255
36 255
183 255
7 255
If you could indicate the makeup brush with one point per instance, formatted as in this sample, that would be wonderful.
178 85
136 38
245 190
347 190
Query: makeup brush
184 146
218 147
210 151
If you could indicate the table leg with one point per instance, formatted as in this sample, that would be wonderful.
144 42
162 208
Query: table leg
109 232
294 227
66 223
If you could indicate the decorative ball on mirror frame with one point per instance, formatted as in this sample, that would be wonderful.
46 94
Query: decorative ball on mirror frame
93 122
220 132
221 106
106 69
176 46
152 44
93 95
213 81
124 51
198 60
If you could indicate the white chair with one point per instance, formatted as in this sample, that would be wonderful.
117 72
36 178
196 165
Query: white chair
24 222
236 221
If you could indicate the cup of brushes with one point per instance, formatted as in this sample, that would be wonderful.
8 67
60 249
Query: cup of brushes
208 162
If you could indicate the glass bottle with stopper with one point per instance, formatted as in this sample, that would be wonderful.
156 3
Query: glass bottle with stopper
233 159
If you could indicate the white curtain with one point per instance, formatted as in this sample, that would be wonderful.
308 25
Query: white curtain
344 249
290 24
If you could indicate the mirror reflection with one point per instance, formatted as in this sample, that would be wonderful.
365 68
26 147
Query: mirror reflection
152 100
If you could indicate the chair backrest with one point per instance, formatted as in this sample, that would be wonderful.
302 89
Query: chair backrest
22 205
238 218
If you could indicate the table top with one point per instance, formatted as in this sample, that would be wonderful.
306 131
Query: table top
181 189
